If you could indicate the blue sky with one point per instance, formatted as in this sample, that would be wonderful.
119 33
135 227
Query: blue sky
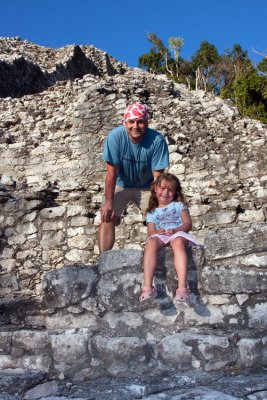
120 27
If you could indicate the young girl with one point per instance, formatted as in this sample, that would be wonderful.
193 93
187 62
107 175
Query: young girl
168 221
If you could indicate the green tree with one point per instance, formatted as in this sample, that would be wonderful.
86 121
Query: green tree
204 63
234 63
175 44
262 66
152 62
250 94
159 46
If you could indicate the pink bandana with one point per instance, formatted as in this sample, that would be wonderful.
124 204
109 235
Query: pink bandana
136 111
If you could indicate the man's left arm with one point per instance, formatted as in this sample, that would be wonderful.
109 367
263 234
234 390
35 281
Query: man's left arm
160 159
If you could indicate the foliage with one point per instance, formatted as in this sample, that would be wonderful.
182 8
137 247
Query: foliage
230 75
234 64
152 62
262 66
204 63
251 96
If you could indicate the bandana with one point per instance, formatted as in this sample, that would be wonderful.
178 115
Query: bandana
136 111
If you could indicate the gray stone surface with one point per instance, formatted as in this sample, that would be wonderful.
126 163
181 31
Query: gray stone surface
190 385
71 325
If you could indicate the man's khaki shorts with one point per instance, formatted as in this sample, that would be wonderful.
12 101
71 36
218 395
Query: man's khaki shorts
123 196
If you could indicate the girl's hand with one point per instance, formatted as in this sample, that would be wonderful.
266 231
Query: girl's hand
170 232
161 231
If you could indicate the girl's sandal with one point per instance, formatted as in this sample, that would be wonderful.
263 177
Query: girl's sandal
182 294
147 293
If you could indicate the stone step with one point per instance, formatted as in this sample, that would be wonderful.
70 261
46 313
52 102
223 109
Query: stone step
82 354
23 384
105 296
89 323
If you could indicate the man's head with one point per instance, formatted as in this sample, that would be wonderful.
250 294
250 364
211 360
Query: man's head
136 121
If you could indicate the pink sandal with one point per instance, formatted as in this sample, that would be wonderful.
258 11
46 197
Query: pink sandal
182 294
147 293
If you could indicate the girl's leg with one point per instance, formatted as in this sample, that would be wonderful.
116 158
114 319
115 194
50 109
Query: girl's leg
180 259
153 245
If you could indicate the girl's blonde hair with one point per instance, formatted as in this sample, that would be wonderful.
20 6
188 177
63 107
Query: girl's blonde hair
166 176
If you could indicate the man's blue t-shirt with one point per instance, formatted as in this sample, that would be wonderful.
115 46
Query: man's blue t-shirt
135 162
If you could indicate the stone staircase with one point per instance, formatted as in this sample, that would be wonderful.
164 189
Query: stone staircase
89 324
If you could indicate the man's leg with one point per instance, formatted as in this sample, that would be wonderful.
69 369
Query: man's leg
106 235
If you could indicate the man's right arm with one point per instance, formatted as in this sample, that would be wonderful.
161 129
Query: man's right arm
107 211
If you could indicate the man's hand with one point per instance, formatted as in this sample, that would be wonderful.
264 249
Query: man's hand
107 212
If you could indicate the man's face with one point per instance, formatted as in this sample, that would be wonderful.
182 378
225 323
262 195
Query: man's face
136 129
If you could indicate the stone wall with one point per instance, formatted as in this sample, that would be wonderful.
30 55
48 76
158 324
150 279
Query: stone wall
52 171
55 290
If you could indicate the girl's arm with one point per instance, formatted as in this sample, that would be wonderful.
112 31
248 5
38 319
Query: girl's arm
187 222
186 225
151 229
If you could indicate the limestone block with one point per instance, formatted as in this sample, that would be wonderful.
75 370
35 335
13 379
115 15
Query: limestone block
248 170
251 216
53 225
221 217
26 229
237 240
120 259
52 239
43 390
5 343
131 219
16 240
26 205
76 231
8 264
30 217
32 362
258 315
216 351
122 355
203 315
197 210
77 256
68 320
174 351
73 210
120 290
175 157
131 319
7 180
78 221
30 342
178 169
250 352
165 318
70 351
53 212
68 285
80 242
233 279
9 281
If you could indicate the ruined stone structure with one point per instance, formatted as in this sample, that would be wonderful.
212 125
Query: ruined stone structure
68 314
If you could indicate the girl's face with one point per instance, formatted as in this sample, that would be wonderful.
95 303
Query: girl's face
165 192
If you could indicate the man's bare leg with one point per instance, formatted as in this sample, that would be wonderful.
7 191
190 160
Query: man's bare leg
106 235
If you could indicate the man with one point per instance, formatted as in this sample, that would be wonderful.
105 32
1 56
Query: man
135 155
